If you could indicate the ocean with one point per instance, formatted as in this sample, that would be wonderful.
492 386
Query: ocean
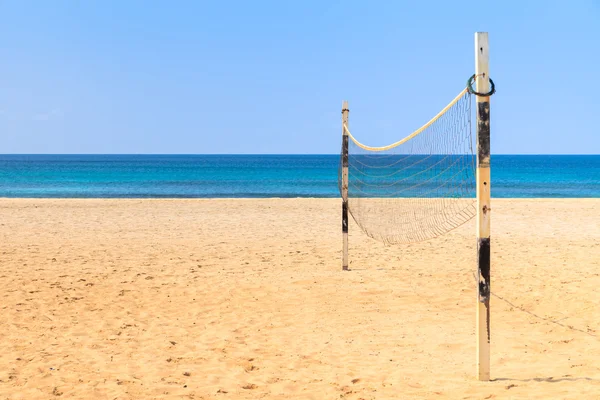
255 176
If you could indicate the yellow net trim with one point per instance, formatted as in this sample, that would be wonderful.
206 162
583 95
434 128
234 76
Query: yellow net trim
412 135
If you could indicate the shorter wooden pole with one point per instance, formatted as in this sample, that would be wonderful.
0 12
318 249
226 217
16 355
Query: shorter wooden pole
345 112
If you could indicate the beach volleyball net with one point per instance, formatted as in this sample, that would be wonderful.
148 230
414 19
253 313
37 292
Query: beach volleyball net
428 183
419 187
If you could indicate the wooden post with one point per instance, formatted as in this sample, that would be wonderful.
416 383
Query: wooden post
345 112
483 205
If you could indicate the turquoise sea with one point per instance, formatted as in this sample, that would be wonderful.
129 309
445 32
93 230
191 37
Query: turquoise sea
160 176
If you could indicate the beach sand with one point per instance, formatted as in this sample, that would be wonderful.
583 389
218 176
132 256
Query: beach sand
245 299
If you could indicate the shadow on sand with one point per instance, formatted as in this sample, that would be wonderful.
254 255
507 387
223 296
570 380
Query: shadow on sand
566 378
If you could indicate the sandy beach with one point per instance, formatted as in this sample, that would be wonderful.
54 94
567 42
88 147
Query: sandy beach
245 299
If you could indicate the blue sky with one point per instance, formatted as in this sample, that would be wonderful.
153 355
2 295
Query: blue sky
270 76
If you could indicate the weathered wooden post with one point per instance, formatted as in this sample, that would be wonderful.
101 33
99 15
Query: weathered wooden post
345 112
483 205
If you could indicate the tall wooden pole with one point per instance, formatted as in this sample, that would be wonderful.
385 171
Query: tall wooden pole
345 112
483 205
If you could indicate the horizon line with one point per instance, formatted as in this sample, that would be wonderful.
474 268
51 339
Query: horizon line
265 154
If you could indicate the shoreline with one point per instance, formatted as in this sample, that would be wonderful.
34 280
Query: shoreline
278 198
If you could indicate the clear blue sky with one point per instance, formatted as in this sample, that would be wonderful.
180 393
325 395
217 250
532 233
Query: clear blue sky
270 76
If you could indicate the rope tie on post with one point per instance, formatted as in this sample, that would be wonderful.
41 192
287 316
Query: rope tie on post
472 91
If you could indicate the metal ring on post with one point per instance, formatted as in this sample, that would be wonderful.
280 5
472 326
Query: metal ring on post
472 91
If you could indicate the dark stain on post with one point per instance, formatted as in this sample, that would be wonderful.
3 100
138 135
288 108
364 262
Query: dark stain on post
345 151
483 133
483 256
344 217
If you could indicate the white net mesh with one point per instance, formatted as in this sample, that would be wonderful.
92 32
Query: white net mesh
420 187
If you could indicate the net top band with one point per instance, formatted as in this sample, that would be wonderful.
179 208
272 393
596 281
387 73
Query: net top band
412 135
